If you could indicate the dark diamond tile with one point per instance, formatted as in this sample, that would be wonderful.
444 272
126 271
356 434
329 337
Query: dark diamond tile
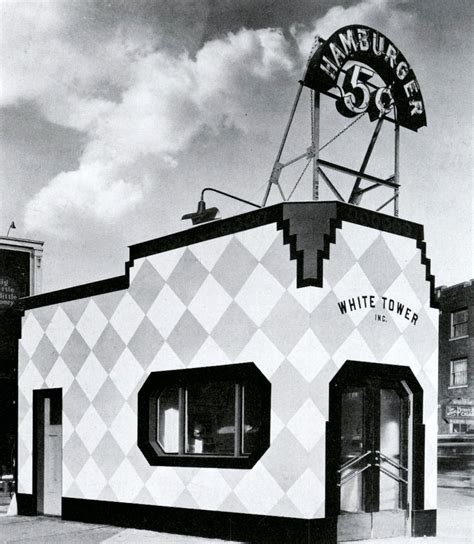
44 356
286 446
108 303
379 265
288 391
187 277
415 273
286 324
75 403
330 327
75 454
75 352
44 315
341 259
75 308
233 331
145 343
187 337
234 267
108 402
422 338
277 261
145 286
140 464
108 348
108 455
379 336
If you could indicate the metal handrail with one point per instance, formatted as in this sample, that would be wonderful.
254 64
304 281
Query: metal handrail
353 475
391 461
351 462
388 473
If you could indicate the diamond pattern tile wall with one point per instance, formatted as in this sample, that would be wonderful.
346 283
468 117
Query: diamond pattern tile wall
228 300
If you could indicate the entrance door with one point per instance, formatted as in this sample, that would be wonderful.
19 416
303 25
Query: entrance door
48 450
373 472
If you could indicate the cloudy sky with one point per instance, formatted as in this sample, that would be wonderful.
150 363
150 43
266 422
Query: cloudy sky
115 114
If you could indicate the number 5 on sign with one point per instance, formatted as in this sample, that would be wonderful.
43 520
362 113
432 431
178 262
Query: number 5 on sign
356 97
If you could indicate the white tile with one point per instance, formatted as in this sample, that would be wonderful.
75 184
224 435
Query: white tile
25 430
91 429
67 429
90 480
307 425
137 264
125 482
307 494
209 354
165 486
164 263
357 237
353 348
124 428
30 379
259 240
209 489
126 373
258 491
166 311
402 293
401 354
127 317
59 330
91 324
68 480
209 303
25 476
403 248
263 352
308 356
31 334
208 252
91 377
59 376
259 294
276 426
165 359
310 297
353 284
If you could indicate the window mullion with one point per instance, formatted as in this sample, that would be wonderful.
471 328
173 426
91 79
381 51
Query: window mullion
182 420
238 420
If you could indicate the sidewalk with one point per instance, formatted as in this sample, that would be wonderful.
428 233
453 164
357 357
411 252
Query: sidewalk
455 526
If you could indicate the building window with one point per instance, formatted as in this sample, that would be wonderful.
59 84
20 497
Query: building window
458 374
459 323
462 425
213 416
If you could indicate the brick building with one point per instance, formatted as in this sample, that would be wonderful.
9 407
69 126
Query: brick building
456 359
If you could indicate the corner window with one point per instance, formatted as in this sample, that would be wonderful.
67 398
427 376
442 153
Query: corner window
459 323
458 375
212 416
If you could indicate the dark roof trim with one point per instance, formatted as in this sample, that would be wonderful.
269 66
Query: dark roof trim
308 227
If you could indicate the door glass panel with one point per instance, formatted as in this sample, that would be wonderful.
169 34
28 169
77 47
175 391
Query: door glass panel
390 450
352 447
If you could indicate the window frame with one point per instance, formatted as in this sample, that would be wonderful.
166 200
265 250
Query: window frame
239 374
452 373
453 335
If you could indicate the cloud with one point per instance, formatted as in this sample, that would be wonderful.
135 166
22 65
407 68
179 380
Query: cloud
134 98
384 15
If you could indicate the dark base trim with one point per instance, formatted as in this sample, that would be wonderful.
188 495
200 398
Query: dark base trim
203 523
423 523
25 504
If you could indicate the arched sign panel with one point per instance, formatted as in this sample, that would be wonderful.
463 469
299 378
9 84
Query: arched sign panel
369 53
